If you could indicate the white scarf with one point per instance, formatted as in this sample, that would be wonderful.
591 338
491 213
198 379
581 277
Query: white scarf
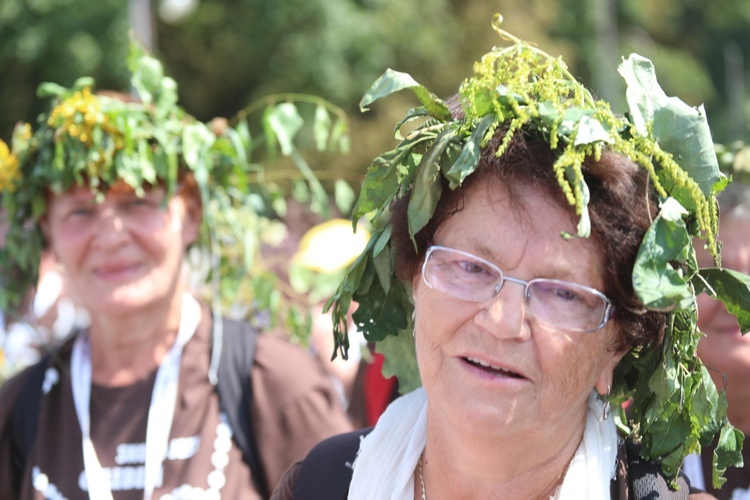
387 457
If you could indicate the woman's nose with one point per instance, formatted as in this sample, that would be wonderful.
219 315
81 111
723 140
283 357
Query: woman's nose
504 315
111 228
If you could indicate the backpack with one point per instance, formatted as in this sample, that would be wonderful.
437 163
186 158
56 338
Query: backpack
235 396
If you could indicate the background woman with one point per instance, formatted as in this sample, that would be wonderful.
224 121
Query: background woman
523 220
724 349
131 406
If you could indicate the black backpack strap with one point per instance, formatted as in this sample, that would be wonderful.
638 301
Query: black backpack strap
647 481
236 391
327 470
26 417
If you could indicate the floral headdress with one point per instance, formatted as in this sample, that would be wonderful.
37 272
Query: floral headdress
675 408
99 140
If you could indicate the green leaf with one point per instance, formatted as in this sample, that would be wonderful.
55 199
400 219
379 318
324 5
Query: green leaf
394 81
469 158
400 360
642 88
285 121
321 127
380 239
243 132
147 73
706 401
381 184
427 189
668 437
343 195
732 288
658 284
548 113
196 139
683 131
380 314
680 129
166 98
591 130
383 269
238 154
728 453
339 137
49 89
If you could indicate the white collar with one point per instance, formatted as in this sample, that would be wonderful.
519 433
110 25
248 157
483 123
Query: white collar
387 457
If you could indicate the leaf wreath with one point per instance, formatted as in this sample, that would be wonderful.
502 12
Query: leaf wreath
96 140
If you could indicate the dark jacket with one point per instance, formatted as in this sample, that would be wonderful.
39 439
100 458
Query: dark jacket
327 472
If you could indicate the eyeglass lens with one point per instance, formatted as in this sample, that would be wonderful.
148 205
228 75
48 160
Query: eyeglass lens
555 302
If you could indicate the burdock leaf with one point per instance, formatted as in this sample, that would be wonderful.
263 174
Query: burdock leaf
732 288
658 284
680 129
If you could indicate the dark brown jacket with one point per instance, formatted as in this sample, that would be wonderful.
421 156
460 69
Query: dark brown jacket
294 407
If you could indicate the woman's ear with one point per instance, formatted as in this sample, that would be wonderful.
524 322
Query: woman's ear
603 383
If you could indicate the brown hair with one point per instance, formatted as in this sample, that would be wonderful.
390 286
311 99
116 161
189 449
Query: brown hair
620 209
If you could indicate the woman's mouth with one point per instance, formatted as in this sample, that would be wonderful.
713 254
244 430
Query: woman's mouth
492 369
115 272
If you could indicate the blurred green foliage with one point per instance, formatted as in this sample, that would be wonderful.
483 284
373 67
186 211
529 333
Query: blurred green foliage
228 53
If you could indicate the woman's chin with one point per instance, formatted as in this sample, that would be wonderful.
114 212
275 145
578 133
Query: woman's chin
122 300
487 416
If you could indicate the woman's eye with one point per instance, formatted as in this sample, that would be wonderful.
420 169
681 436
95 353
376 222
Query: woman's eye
136 202
81 211
471 267
566 293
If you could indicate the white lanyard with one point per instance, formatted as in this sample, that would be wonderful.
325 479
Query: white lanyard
160 411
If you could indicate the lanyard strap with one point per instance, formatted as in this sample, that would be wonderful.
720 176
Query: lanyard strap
160 411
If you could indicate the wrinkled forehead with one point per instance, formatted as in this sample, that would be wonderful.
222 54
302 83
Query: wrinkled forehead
535 211
525 198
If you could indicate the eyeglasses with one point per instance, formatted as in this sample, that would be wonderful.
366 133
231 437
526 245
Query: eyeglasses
556 303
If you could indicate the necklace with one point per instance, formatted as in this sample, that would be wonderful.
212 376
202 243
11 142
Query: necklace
421 479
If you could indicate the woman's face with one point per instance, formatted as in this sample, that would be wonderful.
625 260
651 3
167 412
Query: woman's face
123 253
490 366
724 348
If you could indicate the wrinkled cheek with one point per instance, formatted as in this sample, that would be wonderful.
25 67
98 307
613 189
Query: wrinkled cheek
432 332
569 376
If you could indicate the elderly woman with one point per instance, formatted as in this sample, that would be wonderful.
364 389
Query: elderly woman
724 349
523 220
159 397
